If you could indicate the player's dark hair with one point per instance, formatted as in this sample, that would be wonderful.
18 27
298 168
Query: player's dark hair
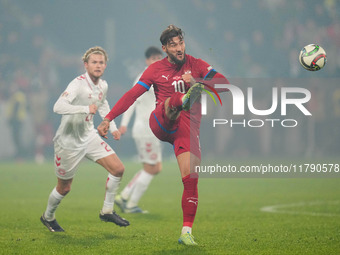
170 32
152 51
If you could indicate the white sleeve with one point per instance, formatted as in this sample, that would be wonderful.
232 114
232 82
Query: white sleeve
64 102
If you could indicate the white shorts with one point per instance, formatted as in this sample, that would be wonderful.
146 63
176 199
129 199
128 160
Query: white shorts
66 162
149 149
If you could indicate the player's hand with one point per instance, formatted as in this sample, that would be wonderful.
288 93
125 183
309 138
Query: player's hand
93 108
103 128
116 135
187 78
122 129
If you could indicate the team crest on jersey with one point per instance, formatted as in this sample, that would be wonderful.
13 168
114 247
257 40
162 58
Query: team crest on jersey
100 96
90 96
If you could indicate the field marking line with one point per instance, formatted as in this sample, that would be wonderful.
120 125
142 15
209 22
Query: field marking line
278 208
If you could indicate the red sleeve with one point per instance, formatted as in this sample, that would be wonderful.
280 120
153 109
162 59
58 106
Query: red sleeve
147 76
210 76
217 79
126 101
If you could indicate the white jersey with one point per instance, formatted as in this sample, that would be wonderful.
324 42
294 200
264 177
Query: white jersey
76 129
144 105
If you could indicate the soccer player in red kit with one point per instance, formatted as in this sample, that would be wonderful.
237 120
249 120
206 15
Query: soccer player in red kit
177 116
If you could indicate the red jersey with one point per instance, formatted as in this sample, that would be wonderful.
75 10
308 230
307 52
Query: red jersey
166 78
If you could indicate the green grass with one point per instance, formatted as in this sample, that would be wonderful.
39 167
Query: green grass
228 221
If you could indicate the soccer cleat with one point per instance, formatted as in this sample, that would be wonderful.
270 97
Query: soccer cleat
187 239
52 226
114 218
121 202
191 96
134 209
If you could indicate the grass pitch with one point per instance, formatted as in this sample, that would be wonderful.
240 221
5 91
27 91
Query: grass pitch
305 217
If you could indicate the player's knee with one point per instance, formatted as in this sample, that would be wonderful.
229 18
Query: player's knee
159 168
64 190
153 169
119 170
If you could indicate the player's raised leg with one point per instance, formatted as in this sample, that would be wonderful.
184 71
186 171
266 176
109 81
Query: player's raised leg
192 96
178 101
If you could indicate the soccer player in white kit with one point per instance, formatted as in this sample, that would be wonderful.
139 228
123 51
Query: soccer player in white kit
76 138
148 145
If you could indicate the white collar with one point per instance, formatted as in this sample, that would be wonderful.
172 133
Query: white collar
89 80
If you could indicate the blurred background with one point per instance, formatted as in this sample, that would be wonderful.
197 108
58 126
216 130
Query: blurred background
42 42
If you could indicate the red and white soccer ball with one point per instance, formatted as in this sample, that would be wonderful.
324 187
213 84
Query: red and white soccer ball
313 57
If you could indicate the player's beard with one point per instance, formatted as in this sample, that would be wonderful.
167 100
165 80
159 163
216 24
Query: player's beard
175 60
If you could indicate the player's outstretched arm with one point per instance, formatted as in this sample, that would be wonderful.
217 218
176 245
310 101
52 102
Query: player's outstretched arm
126 101
121 106
213 78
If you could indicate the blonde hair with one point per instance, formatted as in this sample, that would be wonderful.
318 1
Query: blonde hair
95 50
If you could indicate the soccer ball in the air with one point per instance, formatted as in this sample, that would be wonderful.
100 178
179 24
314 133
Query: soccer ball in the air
313 57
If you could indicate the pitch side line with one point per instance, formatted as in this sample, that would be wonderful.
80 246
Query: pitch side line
278 208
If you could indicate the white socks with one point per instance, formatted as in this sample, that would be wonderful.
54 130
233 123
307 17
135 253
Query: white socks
186 230
136 188
112 185
52 204
126 193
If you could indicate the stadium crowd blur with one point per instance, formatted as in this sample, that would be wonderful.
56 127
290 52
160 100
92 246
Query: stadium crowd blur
256 39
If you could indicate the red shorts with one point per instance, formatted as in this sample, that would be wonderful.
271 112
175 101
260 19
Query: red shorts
182 134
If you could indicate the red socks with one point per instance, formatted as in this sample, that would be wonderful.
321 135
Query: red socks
189 199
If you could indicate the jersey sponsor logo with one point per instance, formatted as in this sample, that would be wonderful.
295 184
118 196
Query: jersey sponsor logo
166 77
